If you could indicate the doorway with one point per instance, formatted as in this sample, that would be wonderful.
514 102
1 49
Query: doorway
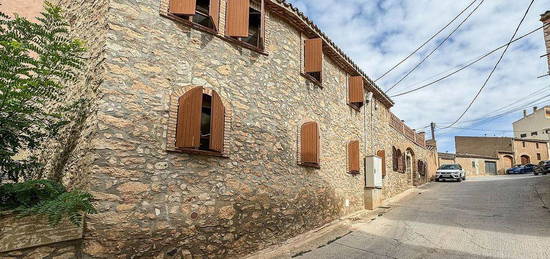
490 168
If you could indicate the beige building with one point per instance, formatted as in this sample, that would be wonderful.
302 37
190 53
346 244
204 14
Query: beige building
535 125
474 165
218 128
506 151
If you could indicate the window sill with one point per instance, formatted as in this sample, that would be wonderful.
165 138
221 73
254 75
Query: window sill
355 107
354 173
316 166
312 79
245 45
191 24
215 33
199 152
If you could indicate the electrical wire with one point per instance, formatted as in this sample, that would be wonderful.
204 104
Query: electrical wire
437 47
494 68
426 42
464 66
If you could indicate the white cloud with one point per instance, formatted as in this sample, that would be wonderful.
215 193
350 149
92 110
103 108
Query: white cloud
377 34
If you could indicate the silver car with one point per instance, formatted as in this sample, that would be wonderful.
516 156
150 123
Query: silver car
450 172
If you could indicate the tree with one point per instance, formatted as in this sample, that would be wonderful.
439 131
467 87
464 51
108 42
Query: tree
37 62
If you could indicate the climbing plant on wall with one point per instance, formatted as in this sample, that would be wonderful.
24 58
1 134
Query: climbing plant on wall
37 62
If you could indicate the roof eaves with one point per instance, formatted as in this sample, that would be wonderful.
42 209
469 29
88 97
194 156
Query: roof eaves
310 23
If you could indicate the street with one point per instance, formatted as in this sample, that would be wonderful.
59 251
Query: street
483 217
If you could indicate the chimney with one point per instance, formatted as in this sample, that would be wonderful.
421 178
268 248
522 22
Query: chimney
545 19
535 109
524 113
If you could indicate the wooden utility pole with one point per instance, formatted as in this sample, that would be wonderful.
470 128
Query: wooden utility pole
432 127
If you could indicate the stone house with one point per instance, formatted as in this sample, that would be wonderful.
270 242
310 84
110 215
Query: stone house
222 127
507 151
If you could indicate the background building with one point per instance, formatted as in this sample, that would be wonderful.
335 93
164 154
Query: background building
534 126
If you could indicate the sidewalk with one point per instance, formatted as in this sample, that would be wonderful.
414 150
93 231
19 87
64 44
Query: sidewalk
330 232
543 190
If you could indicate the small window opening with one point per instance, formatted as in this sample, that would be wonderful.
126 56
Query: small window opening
315 75
202 14
254 27
205 121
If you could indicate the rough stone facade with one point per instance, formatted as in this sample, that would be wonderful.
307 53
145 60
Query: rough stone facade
156 203
33 237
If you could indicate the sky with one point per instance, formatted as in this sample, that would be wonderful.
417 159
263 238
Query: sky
377 34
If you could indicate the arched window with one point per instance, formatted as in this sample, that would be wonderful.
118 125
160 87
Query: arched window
382 155
200 121
309 145
395 159
353 157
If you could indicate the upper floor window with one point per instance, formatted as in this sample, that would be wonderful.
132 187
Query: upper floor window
309 145
534 133
398 160
538 156
205 13
523 135
473 164
523 143
356 92
313 60
353 157
200 121
537 145
246 22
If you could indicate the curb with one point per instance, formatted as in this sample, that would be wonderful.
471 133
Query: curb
329 232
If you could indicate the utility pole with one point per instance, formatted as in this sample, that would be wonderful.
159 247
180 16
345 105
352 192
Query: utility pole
432 127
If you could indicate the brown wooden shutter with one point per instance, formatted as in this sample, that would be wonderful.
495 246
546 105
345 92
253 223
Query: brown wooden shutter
217 123
262 27
313 55
353 156
184 7
382 155
356 90
403 163
189 119
237 18
309 142
395 159
215 13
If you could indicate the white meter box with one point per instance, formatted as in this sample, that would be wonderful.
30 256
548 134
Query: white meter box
373 178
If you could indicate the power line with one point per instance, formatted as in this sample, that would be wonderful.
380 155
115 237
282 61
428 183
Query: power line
437 47
490 130
426 42
466 65
500 115
495 67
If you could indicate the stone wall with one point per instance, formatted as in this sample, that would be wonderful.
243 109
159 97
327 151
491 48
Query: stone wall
157 203
153 202
532 149
33 237
380 136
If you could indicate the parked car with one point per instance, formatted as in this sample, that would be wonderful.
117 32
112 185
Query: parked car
542 168
518 169
528 168
450 172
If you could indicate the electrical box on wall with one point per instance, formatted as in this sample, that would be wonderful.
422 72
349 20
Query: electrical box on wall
373 177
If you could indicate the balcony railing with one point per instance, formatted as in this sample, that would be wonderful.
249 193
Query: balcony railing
409 133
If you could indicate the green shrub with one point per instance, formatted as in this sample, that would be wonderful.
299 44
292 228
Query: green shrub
47 198
37 62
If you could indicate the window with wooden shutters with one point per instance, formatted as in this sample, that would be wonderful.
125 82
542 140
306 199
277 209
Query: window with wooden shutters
353 157
309 144
356 91
200 122
246 22
382 155
313 59
205 13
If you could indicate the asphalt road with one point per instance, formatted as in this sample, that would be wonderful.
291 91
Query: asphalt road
484 217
